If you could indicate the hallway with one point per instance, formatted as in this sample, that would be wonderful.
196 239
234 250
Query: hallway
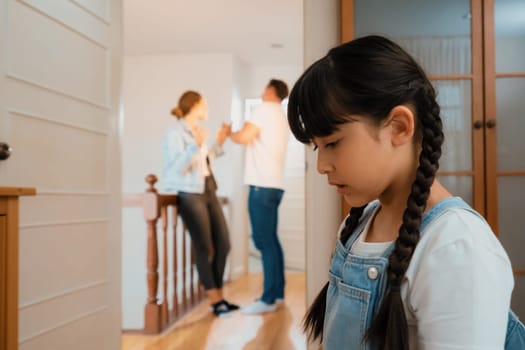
201 330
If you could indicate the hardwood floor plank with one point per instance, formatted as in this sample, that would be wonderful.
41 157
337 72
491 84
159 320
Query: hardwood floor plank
201 330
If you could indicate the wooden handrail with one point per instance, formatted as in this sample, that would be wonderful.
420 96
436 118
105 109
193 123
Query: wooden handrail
155 206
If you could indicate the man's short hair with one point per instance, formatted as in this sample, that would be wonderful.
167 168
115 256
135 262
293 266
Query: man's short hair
280 87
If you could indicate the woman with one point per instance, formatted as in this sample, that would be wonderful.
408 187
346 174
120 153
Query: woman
186 170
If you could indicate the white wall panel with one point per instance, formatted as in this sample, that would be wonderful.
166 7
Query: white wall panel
86 333
37 317
32 99
60 259
74 65
68 158
74 17
98 8
52 208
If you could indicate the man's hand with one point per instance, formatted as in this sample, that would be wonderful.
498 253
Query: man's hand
223 133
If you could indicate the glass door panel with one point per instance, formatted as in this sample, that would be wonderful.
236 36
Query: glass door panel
510 200
436 33
518 300
511 233
509 20
507 127
510 109
459 186
454 98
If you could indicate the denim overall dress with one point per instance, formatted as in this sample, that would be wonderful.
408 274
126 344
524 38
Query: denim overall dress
357 284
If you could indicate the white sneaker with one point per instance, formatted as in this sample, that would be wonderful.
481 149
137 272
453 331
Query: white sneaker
279 302
258 307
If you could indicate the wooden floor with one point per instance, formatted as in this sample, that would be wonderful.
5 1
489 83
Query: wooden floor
279 330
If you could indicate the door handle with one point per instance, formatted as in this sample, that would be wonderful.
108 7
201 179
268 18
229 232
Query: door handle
478 124
5 151
491 124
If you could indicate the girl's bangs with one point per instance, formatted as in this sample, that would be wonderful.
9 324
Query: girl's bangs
314 109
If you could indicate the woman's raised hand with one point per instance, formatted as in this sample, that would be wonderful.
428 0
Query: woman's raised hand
200 134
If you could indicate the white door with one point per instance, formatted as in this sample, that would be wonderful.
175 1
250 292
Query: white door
59 97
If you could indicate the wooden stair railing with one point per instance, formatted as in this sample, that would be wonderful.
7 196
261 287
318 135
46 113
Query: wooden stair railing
157 313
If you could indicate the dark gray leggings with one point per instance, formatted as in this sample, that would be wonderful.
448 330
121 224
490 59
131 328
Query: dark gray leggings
203 216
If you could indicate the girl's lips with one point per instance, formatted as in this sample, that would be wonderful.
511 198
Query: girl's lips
342 189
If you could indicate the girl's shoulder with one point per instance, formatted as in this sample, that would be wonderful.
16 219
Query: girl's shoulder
460 225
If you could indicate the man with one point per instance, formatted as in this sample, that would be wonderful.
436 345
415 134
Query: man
266 135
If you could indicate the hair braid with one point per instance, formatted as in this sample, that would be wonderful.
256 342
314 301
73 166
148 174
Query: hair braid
314 319
389 327
351 223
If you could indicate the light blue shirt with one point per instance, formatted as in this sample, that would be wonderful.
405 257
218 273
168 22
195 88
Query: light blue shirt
181 158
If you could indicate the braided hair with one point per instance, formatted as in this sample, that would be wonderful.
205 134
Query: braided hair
369 76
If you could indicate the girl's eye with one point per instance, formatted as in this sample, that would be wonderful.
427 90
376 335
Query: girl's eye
331 144
326 145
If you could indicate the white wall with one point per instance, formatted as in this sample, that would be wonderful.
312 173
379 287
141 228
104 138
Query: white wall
323 204
152 87
259 76
238 219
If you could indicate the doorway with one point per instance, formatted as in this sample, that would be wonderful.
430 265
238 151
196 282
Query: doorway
230 56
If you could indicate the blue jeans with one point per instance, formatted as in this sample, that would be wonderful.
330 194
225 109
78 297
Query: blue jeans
263 206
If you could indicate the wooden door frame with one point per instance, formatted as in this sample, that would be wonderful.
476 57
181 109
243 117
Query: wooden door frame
478 115
489 86
476 76
347 34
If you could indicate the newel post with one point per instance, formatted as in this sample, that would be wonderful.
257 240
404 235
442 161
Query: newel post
150 205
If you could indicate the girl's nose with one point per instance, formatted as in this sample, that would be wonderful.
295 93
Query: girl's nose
323 166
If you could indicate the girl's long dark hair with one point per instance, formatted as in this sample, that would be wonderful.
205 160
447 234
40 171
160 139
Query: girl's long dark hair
368 77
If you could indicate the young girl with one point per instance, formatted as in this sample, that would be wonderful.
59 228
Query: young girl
186 170
415 267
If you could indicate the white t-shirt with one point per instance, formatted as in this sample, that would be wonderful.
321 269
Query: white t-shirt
266 154
457 287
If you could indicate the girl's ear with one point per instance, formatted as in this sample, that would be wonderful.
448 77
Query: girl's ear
402 125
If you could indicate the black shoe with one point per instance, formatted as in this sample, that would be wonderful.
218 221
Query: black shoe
231 307
220 309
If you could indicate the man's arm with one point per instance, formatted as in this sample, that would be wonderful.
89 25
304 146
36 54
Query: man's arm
246 135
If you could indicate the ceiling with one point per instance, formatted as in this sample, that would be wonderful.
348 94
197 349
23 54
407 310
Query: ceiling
250 29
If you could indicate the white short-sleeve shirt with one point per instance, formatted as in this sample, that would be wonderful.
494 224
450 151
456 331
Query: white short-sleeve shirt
266 154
